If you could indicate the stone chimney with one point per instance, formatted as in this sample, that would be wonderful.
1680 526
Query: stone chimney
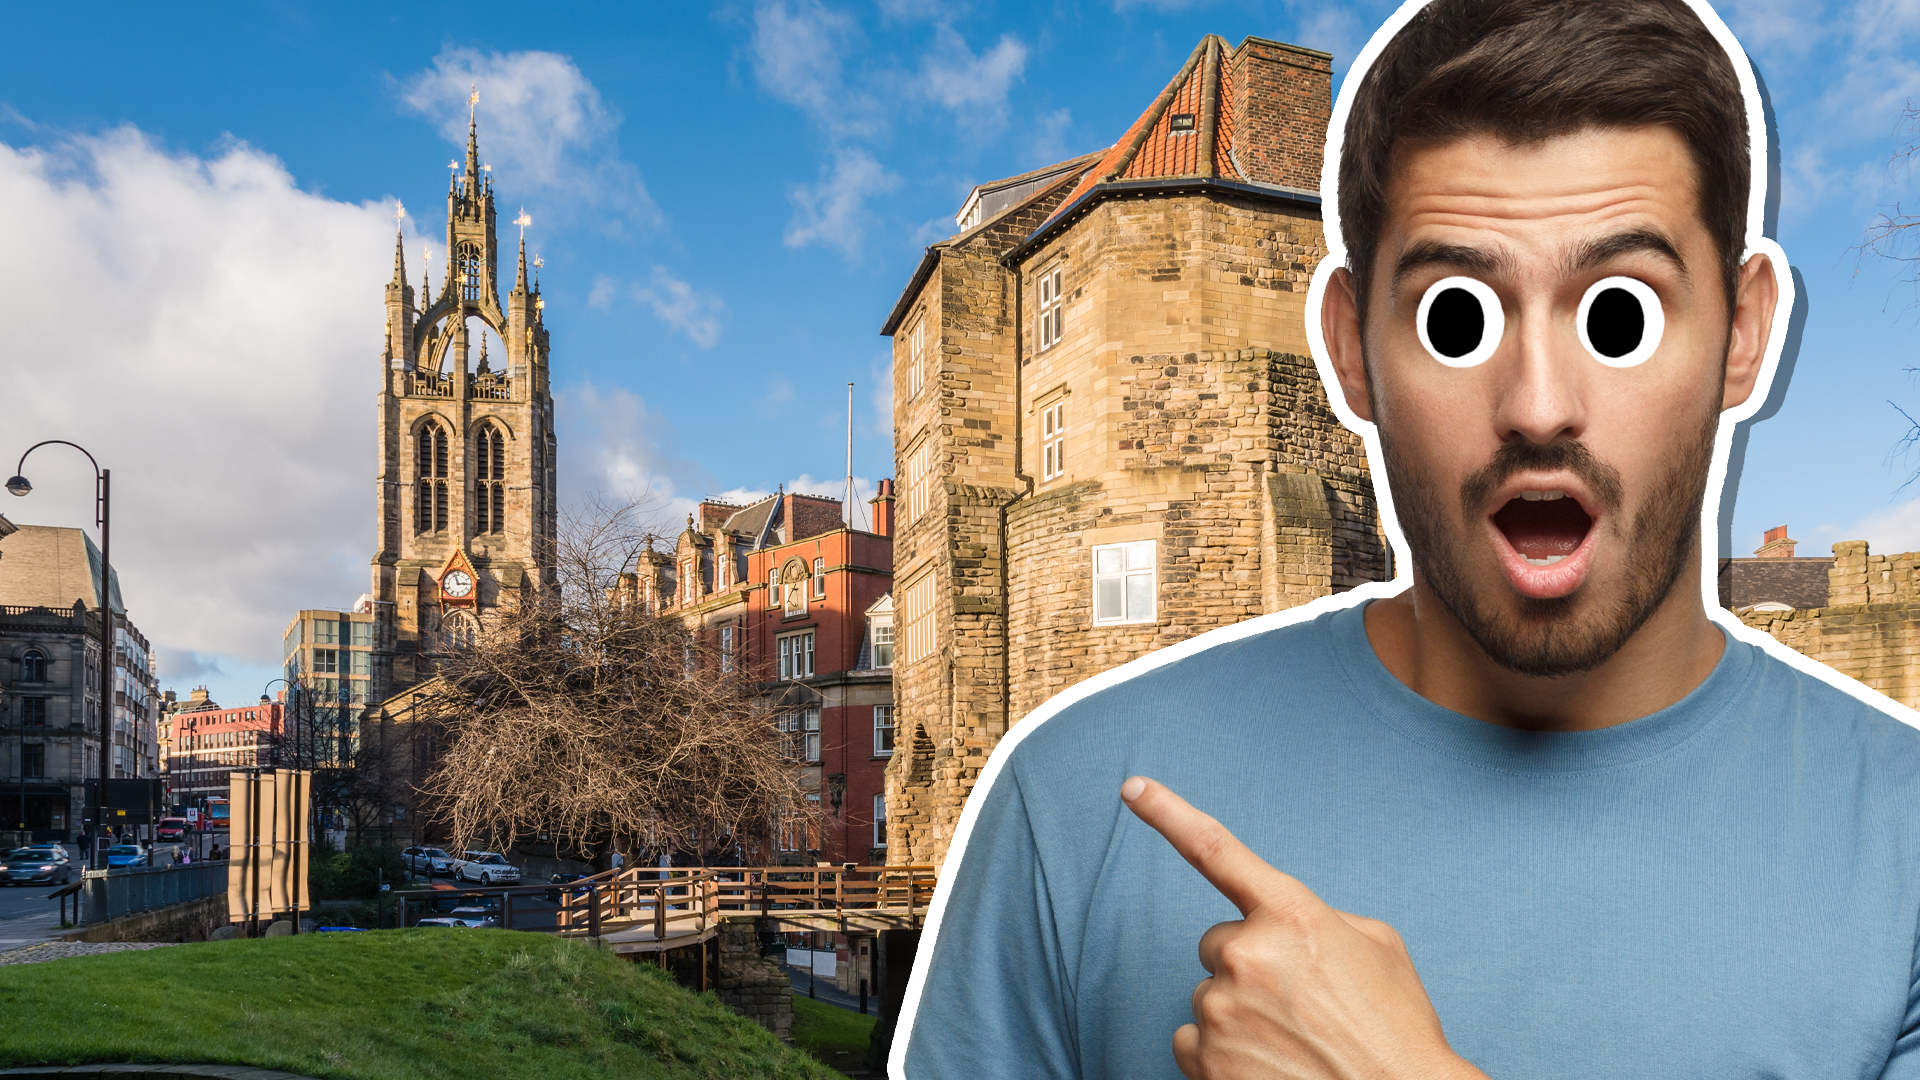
883 509
1282 96
1775 545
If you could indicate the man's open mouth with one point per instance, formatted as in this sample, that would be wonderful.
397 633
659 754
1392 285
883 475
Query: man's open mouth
1544 541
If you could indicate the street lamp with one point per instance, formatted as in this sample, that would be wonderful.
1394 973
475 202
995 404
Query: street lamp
102 483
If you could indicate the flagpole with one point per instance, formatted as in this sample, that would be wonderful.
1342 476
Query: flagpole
850 456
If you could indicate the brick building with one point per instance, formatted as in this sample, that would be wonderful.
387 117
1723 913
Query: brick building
786 592
1110 434
50 604
207 743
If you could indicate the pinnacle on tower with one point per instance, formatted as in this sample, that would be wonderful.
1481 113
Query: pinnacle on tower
399 258
520 277
473 148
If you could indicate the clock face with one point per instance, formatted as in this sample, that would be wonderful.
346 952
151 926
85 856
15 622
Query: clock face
456 583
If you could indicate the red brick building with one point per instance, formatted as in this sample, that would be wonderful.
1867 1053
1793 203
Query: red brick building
792 596
207 742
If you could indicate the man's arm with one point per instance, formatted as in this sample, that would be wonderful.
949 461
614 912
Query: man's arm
995 1001
1298 988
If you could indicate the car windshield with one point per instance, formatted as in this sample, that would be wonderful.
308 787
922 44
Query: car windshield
433 853
123 849
27 857
492 860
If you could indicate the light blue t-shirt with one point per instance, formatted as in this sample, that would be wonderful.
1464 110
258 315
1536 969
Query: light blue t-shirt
1727 888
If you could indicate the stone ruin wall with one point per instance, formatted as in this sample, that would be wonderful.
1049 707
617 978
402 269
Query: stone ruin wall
1870 629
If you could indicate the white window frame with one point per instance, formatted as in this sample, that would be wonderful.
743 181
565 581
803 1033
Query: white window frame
878 625
794 655
1053 440
773 588
917 603
1051 311
917 357
726 649
880 820
819 579
919 478
882 725
1118 573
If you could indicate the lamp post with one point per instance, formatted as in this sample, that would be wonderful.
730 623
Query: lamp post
102 483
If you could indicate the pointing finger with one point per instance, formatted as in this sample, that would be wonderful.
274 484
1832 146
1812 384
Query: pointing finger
1231 866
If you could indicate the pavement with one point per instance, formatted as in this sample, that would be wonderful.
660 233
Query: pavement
825 990
60 950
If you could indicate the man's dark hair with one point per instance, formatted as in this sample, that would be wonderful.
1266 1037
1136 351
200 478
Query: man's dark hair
1530 70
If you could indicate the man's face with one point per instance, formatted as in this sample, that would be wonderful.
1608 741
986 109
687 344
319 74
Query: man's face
1551 500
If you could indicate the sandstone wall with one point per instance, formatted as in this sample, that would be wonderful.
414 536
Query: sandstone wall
1871 628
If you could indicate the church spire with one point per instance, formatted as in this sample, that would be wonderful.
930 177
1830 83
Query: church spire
520 278
473 144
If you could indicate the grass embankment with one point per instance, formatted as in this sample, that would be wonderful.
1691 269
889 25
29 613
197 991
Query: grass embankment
835 1035
385 1005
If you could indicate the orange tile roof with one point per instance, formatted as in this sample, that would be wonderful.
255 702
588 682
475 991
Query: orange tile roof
1201 93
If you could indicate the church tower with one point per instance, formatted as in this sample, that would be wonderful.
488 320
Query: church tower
467 520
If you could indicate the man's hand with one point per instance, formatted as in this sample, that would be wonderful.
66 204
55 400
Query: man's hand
1298 989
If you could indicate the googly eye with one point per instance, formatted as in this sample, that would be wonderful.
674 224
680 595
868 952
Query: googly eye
1620 321
1460 321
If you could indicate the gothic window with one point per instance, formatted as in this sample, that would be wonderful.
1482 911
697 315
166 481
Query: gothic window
470 271
430 490
460 629
490 489
33 666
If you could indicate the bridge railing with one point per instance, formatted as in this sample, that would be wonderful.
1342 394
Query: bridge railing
111 894
687 899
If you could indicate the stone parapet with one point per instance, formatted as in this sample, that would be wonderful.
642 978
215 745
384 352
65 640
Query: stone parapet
751 984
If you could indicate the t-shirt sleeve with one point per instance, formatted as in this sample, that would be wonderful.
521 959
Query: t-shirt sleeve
1904 1064
995 1002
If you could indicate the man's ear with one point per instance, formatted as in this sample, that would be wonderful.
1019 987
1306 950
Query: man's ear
1340 329
1756 295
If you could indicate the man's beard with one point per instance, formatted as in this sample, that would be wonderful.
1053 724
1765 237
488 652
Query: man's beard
1569 634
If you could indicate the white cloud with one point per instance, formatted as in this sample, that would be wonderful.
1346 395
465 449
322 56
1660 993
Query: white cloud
601 295
833 211
1050 137
542 124
973 88
614 445
681 306
1893 530
799 52
163 315
835 487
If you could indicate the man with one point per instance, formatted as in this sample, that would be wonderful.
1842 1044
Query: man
1538 815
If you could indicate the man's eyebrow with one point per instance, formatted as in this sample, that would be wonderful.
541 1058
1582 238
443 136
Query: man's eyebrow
1473 260
1596 253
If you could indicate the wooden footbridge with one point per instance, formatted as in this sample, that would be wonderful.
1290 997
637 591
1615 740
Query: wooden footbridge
648 909
645 909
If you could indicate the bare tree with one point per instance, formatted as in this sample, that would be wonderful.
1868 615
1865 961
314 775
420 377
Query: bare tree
1894 235
584 716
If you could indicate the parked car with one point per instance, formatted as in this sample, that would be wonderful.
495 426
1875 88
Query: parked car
485 867
27 865
427 860
171 829
471 922
567 879
126 855
453 903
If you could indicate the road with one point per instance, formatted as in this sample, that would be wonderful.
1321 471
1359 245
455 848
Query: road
27 917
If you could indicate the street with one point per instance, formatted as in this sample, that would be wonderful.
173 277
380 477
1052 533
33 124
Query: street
27 917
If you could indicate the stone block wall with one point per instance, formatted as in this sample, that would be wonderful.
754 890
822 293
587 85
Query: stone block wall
751 984
1871 628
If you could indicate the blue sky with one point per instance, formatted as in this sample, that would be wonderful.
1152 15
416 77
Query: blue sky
727 199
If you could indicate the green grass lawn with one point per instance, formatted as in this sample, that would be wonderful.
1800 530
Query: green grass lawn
830 1033
385 1005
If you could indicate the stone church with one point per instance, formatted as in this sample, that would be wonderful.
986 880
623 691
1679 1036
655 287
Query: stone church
1110 434
467 520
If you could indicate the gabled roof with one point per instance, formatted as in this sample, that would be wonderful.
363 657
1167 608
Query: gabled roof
1186 138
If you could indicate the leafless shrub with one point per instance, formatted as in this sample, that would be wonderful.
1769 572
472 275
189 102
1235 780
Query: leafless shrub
581 716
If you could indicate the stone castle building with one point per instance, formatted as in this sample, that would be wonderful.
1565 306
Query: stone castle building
467 519
1110 434
1856 612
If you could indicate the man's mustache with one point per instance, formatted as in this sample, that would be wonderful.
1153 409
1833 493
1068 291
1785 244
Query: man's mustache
1520 456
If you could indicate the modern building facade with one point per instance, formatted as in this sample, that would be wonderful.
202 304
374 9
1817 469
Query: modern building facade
467 519
50 610
328 661
1109 430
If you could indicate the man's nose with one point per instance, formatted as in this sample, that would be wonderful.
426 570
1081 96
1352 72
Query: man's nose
1545 393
